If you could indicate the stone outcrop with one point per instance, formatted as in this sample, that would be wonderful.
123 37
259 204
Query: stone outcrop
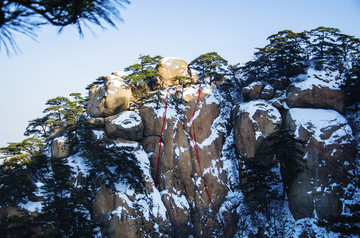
252 91
316 97
117 215
267 92
320 89
180 202
112 98
328 145
60 148
254 121
173 71
179 172
126 125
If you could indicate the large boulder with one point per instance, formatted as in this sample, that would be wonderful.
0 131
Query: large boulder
253 122
252 91
267 93
126 125
173 71
60 148
110 99
317 189
320 89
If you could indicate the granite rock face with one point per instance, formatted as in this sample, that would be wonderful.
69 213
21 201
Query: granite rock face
110 99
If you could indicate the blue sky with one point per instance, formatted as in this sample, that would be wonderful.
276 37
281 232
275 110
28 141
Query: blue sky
57 65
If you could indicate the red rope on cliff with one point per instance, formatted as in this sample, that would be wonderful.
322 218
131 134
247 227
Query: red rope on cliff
172 209
193 138
161 134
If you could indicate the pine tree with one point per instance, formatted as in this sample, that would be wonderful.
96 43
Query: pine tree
22 161
62 116
27 16
99 81
108 162
142 75
259 185
348 223
64 210
284 148
209 65
324 45
351 87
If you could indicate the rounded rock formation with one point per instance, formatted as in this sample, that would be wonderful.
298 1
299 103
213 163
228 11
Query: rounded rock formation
252 91
60 148
328 144
112 98
320 89
254 121
173 71
126 125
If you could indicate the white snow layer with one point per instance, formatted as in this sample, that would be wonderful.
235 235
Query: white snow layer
127 119
167 61
99 134
252 107
78 165
319 78
318 121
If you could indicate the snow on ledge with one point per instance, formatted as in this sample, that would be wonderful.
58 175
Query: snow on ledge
319 78
127 119
253 106
318 120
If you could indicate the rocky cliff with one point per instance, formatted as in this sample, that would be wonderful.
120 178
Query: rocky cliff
192 142
311 109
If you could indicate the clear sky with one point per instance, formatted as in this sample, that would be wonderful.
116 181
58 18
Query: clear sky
58 65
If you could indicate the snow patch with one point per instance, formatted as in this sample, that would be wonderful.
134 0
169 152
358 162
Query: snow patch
319 78
317 121
127 119
78 165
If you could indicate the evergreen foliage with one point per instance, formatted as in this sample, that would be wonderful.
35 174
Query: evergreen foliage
210 65
347 223
109 163
351 87
260 181
64 211
21 161
100 81
283 147
289 54
62 114
27 16
142 75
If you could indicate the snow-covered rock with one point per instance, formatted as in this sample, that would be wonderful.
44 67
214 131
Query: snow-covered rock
127 125
252 91
180 184
110 99
254 121
318 89
60 148
170 68
316 191
267 92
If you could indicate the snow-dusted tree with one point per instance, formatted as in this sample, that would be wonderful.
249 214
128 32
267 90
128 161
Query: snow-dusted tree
142 75
62 115
64 212
210 65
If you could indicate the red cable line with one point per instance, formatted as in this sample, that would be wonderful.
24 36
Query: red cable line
193 138
162 130
172 209
159 155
